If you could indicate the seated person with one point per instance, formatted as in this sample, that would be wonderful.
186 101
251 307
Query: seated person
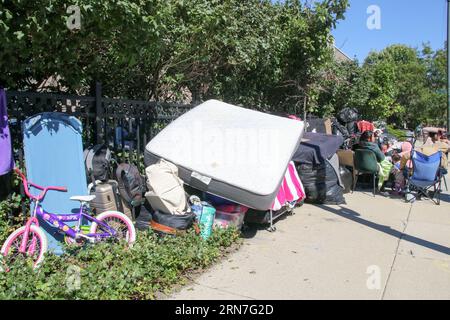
366 141
406 148
378 138
399 178
437 139
426 149
385 147
432 145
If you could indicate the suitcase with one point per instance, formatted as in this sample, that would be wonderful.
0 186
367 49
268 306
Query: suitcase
107 198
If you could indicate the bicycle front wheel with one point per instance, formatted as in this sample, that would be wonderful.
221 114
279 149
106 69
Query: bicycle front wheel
36 246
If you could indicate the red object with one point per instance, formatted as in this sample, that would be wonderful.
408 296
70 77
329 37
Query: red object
364 125
294 117
44 190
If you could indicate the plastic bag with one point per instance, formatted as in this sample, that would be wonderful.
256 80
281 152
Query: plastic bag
347 115
346 178
321 184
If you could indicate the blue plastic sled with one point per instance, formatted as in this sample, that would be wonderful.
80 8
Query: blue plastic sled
54 157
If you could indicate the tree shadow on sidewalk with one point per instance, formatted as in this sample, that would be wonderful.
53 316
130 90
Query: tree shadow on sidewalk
356 217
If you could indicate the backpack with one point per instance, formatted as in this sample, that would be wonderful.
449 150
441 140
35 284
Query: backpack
131 184
165 189
97 161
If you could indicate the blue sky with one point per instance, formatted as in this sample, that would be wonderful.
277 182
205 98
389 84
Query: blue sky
410 22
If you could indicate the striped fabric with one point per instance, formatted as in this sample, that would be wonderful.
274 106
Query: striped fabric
291 189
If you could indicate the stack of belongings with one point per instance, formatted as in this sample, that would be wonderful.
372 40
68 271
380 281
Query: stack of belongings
122 192
237 154
318 167
348 118
166 209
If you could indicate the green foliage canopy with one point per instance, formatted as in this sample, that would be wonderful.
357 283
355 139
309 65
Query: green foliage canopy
254 52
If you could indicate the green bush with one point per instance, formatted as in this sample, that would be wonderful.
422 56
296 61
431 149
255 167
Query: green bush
398 133
112 271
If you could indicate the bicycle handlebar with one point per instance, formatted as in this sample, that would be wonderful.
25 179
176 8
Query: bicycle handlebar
41 196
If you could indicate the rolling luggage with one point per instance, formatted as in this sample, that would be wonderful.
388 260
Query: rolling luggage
107 198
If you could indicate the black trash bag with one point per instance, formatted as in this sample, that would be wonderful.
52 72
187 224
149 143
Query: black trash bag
321 184
352 127
346 178
347 115
339 130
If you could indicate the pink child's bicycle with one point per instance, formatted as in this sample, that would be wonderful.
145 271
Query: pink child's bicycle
30 240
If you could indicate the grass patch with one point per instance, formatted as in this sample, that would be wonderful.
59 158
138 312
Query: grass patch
112 271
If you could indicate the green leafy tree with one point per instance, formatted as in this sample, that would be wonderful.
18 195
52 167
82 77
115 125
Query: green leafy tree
399 84
258 52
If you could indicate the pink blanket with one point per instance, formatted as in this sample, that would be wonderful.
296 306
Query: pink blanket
291 189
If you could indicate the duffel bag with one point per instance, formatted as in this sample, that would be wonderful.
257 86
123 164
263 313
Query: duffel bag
173 224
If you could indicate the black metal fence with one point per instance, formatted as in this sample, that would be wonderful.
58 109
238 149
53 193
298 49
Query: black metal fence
124 125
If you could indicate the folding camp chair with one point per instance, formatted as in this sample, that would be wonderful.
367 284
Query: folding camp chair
365 163
426 174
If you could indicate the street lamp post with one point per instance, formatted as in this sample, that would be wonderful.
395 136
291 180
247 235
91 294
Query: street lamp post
448 67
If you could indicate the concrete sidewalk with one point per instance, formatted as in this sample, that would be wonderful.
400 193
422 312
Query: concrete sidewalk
371 248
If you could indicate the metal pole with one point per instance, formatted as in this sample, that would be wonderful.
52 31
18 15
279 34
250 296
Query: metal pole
99 112
448 67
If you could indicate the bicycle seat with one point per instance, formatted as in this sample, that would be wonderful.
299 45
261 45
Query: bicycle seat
83 198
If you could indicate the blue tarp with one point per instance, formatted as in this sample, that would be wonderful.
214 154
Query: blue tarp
315 148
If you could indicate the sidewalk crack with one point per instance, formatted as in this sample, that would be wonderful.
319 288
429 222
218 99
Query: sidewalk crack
225 291
405 225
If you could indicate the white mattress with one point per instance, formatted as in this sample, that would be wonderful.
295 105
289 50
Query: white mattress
233 152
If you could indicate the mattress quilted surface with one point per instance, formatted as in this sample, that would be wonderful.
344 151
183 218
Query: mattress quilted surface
247 149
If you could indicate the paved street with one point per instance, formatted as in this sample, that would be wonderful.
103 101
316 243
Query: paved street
371 248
